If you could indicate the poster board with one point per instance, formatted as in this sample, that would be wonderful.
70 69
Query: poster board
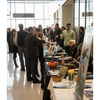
52 47
83 66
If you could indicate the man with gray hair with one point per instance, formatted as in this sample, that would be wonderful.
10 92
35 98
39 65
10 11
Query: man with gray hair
21 45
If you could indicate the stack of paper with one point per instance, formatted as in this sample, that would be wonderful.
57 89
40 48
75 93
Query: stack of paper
65 58
54 72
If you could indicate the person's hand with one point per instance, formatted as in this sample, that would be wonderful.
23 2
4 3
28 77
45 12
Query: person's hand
75 61
56 36
39 38
71 58
47 42
89 73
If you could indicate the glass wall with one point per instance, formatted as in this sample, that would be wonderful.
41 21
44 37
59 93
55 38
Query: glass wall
83 14
39 9
89 17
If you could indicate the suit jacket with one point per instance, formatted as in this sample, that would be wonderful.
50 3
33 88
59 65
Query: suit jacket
20 38
73 51
8 36
81 38
57 32
31 44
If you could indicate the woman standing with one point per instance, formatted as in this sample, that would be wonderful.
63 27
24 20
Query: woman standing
14 47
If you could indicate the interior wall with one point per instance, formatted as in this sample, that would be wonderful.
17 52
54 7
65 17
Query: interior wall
67 15
64 15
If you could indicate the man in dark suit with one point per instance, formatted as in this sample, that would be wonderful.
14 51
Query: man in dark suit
31 44
81 35
8 40
21 46
56 35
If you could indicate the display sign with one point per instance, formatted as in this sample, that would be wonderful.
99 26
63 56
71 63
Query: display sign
83 66
52 47
23 15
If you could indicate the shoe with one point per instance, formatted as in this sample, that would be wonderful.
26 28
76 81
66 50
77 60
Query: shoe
37 75
17 66
22 69
30 79
36 81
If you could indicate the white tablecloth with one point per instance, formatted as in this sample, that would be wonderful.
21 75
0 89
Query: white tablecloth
63 94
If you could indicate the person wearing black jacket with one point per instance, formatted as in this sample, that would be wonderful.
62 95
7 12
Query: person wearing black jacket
81 35
72 48
31 44
56 34
77 59
21 46
8 40
41 58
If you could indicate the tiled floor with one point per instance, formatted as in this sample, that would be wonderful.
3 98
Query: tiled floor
17 86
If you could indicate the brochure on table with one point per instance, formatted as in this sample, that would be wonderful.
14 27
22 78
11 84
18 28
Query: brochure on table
83 66
52 47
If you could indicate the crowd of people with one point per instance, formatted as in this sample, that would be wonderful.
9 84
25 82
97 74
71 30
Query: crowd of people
28 44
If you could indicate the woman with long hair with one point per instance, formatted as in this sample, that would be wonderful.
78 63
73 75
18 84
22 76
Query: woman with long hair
14 46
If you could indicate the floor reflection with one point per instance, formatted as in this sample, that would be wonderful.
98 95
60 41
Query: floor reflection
17 86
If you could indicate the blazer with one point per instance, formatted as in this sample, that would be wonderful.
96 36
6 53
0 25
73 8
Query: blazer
73 51
20 38
81 38
31 44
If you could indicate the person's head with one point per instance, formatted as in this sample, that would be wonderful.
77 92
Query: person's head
63 28
8 29
37 31
13 31
40 27
20 26
56 25
26 29
31 30
81 29
72 43
68 26
49 28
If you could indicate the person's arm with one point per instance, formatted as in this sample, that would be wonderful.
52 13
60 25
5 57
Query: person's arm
12 41
74 52
62 35
38 41
16 38
76 61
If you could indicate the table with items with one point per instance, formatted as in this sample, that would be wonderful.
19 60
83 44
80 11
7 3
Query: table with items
61 88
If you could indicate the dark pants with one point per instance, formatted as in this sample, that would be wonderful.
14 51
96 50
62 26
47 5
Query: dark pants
41 59
31 67
15 51
10 47
22 54
62 43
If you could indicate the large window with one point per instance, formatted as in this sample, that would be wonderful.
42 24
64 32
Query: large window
83 13
29 7
39 9
29 22
76 18
89 17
